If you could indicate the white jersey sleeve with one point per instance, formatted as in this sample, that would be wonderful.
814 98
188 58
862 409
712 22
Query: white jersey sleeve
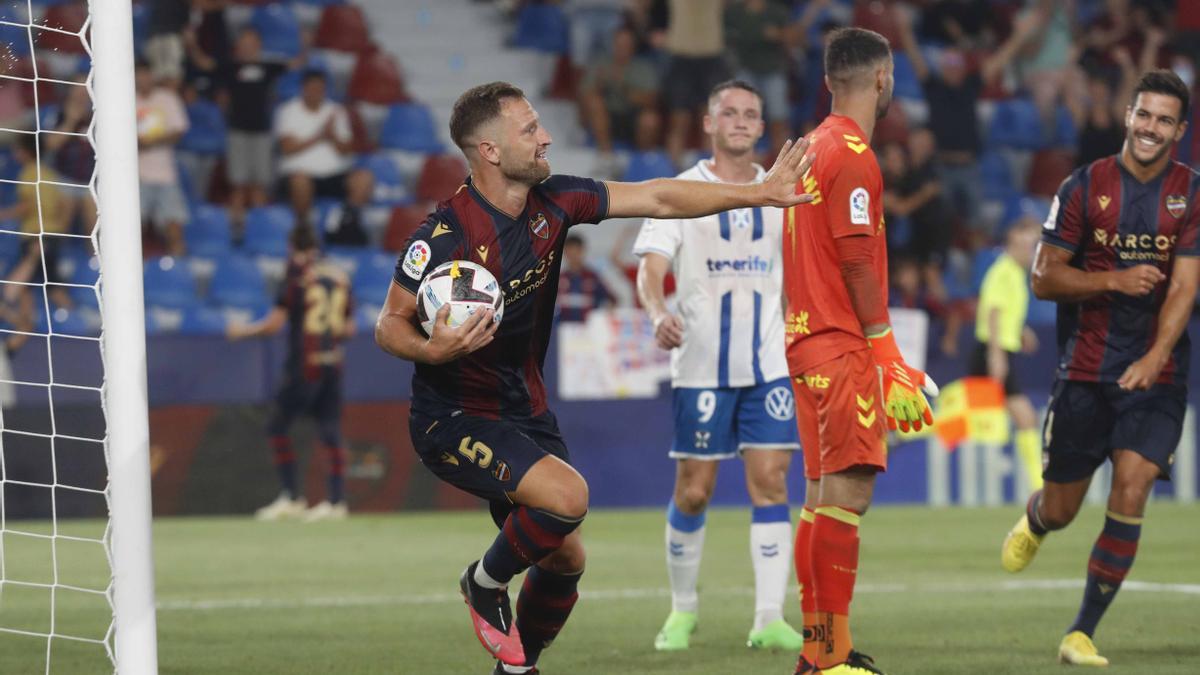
660 236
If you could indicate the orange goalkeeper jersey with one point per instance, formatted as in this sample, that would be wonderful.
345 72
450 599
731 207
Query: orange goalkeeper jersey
848 201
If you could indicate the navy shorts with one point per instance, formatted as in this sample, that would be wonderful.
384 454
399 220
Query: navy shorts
1087 421
485 457
321 399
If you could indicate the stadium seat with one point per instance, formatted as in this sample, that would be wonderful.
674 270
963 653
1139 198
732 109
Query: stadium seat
1022 205
208 233
372 278
237 283
543 27
202 321
168 283
1017 124
15 37
85 274
10 251
996 176
267 230
907 84
163 320
280 30
402 223
390 187
342 28
647 165
377 79
564 83
206 132
877 16
440 178
1049 169
65 321
347 258
67 16
409 126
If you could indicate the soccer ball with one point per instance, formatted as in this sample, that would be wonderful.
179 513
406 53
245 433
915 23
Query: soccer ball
467 286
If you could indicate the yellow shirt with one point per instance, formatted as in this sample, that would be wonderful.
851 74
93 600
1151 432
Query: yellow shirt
49 219
1005 287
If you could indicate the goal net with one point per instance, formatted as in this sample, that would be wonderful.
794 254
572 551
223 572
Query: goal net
76 582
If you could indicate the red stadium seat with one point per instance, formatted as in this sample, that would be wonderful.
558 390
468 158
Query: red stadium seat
877 15
69 16
360 136
342 28
1048 170
564 84
403 222
377 79
440 177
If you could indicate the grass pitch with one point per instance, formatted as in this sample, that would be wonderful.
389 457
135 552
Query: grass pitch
378 594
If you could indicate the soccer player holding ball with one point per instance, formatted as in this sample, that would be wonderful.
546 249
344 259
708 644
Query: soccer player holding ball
840 348
728 372
1119 256
479 416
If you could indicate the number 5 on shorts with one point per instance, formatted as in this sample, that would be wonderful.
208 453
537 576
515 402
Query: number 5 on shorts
477 453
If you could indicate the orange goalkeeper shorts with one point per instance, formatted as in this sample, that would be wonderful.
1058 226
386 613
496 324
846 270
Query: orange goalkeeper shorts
839 411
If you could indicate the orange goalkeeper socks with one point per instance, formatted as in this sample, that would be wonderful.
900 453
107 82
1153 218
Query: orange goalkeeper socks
802 552
834 571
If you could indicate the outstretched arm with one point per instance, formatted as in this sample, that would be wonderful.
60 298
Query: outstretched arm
674 198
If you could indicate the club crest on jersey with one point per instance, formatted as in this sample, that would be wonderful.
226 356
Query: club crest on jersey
1176 205
416 259
860 207
540 227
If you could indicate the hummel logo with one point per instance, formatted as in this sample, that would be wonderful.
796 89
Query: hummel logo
769 550
676 549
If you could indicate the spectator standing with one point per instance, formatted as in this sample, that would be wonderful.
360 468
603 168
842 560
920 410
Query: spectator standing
759 33
580 289
695 46
162 121
206 40
619 98
39 208
315 144
246 85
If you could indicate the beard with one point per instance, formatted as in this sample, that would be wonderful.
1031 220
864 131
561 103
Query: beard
1132 141
529 174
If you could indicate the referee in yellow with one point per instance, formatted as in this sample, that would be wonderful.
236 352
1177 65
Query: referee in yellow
1001 333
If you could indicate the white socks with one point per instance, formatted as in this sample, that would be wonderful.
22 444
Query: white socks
685 545
771 553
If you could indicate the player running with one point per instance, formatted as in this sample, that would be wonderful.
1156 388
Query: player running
1119 254
314 301
840 348
479 416
728 372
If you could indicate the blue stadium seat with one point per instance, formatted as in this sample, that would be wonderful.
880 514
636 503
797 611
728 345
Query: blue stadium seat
86 273
186 184
390 187
208 233
10 250
280 30
48 115
9 170
168 283
647 165
202 321
996 175
372 278
1020 205
237 283
543 27
206 132
163 320
71 322
907 84
16 38
267 230
409 126
349 258
1015 124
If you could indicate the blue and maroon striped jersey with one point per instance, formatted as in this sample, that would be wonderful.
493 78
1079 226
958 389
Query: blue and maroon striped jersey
316 296
1109 220
504 379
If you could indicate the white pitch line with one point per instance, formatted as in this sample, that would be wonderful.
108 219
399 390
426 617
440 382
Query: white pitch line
641 593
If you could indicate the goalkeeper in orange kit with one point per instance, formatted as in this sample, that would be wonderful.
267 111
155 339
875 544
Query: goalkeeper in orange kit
847 373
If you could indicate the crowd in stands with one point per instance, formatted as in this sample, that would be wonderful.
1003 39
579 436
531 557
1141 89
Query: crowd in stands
253 116
997 101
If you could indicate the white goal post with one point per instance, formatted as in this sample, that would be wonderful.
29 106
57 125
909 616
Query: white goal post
123 337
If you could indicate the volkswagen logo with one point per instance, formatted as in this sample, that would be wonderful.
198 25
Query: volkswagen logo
779 404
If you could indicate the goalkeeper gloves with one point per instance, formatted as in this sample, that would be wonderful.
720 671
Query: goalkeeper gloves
903 400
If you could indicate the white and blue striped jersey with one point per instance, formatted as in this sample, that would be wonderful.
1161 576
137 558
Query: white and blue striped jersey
728 276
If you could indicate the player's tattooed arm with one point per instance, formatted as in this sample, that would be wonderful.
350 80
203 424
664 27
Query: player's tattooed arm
668 327
1172 319
1055 279
396 331
674 198
270 324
